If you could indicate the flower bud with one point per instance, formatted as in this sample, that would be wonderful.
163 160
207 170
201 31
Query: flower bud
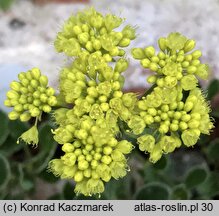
43 97
7 103
25 82
174 127
106 159
35 112
83 38
160 82
170 81
189 82
107 150
168 144
185 64
163 128
36 102
145 63
196 54
15 86
13 115
162 42
124 42
34 83
193 124
188 57
156 154
96 44
153 66
112 21
155 59
43 80
18 108
186 117
107 57
146 143
183 125
78 176
148 119
190 137
52 101
124 146
196 62
129 99
97 21
117 94
77 29
89 46
35 72
138 53
129 32
188 106
152 79
68 147
189 45
191 69
50 91
13 95
149 51
87 173
21 76
83 165
25 117
176 41
203 71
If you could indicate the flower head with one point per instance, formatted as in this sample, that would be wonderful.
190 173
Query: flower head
30 136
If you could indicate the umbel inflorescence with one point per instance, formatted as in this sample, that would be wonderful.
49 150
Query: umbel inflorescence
91 111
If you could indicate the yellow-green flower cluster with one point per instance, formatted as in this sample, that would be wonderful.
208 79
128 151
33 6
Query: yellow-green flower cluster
92 85
94 115
174 63
88 135
175 109
30 96
81 78
93 155
90 31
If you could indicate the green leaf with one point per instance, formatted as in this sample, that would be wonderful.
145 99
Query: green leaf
48 177
210 187
161 164
47 147
195 177
10 146
213 89
180 192
17 128
4 130
153 191
27 184
5 4
26 181
68 191
5 171
118 189
213 150
181 161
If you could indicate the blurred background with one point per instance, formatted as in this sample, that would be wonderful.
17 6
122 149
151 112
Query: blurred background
27 31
